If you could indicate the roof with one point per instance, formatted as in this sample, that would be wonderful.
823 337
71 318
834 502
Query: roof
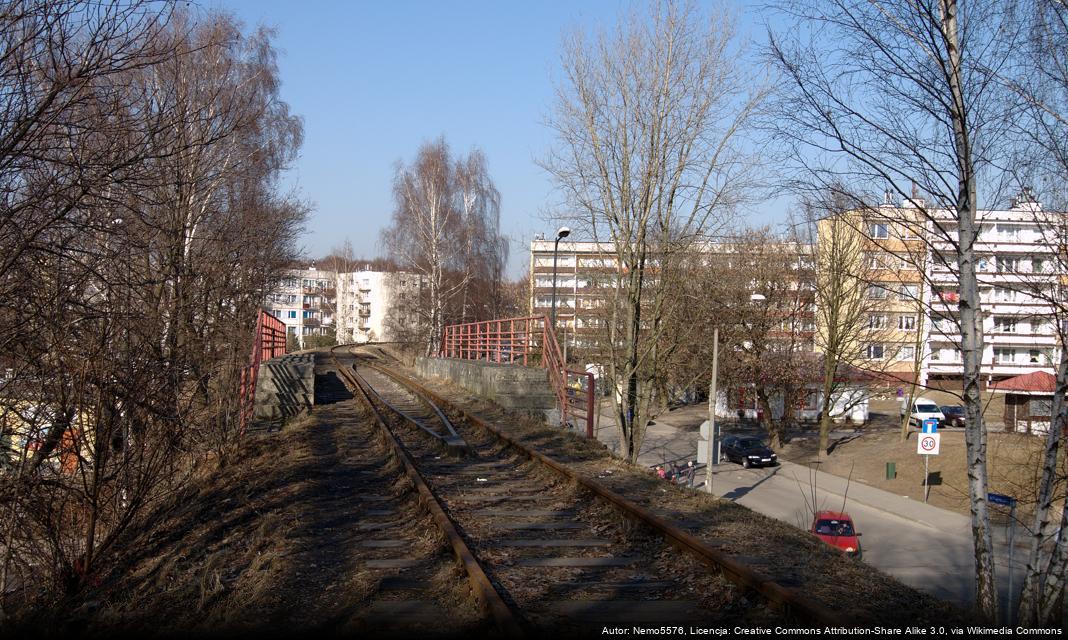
1037 382
833 515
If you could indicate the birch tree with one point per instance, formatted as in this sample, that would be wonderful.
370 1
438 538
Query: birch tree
648 119
1039 82
142 220
446 229
901 95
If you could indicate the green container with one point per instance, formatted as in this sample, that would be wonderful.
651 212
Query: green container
891 470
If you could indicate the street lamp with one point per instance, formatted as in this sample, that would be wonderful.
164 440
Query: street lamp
561 233
756 297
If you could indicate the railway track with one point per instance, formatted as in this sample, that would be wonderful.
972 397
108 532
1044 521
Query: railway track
545 549
362 510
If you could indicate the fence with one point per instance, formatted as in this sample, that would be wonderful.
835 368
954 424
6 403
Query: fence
526 341
270 342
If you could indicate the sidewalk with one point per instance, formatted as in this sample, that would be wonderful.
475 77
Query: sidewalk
923 546
667 440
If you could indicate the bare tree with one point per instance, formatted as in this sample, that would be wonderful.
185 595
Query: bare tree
844 312
900 95
144 227
647 120
1039 81
446 229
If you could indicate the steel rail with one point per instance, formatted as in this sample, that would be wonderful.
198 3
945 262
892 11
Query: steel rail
441 416
787 600
483 588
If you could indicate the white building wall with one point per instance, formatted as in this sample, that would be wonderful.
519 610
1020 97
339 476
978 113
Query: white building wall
364 302
1015 252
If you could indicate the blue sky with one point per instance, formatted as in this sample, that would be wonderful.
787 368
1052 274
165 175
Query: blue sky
373 80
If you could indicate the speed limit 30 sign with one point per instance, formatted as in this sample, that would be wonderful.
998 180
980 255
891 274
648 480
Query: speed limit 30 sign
927 444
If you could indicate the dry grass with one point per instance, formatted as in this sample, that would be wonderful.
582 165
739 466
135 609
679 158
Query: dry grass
264 544
1013 465
786 554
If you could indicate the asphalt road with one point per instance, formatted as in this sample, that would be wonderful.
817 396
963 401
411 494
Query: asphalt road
927 548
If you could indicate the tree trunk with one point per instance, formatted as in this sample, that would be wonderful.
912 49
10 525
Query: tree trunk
1037 560
829 366
971 326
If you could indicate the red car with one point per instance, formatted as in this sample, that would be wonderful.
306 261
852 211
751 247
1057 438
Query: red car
836 529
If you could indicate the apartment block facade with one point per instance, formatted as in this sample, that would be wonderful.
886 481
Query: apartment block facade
585 276
350 306
305 300
911 275
365 300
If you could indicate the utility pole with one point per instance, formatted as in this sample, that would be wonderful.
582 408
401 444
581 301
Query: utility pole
712 410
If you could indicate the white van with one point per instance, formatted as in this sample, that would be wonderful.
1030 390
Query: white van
923 409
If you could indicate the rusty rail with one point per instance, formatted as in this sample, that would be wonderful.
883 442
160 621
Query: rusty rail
483 589
787 600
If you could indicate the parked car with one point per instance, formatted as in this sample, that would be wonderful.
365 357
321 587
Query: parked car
923 409
748 451
954 416
836 529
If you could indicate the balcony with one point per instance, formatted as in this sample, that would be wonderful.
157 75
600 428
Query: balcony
364 313
311 322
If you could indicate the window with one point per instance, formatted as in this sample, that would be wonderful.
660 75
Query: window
876 291
906 323
908 292
1008 265
877 230
1004 356
876 321
1004 324
936 355
906 353
1039 265
1035 356
1041 407
1008 233
596 262
1002 294
292 315
874 352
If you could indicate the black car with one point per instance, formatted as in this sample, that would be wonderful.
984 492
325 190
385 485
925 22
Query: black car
747 451
954 416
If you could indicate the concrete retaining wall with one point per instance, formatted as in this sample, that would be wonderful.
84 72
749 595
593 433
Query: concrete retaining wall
285 387
512 386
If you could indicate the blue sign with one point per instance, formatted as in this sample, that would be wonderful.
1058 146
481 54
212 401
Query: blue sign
930 425
997 498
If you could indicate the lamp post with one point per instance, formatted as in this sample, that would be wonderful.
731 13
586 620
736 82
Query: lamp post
756 297
561 233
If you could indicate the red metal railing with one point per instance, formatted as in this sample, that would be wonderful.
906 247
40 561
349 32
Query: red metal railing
270 342
527 341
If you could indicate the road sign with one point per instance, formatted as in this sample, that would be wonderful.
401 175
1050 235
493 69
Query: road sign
997 498
927 444
930 425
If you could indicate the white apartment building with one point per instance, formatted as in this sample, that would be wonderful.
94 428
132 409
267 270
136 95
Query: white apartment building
1019 275
364 300
351 306
305 301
